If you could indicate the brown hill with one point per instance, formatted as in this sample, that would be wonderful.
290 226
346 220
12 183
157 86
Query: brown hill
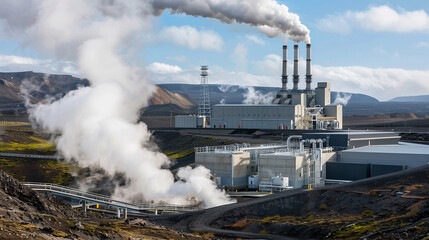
163 96
16 86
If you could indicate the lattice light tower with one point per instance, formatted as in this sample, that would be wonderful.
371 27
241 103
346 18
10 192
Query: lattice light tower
204 104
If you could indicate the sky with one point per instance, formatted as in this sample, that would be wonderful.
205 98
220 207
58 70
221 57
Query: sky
377 47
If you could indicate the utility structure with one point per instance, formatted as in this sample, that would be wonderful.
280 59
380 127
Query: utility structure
204 103
292 108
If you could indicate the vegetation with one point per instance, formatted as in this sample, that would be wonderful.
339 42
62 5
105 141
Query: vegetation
14 146
179 153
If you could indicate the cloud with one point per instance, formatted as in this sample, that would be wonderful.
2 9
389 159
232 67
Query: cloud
270 65
377 19
423 45
189 37
239 56
255 39
163 68
381 83
11 63
335 24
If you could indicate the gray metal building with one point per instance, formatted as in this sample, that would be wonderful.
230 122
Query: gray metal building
354 139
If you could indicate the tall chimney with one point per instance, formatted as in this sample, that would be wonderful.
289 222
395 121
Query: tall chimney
308 73
284 72
295 68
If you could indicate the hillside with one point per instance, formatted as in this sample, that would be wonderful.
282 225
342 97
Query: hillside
235 94
15 87
421 98
25 214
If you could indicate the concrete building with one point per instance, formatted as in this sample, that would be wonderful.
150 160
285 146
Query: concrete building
296 166
311 159
229 164
233 164
190 121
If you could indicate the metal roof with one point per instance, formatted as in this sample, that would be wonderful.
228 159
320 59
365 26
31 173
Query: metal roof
401 148
354 133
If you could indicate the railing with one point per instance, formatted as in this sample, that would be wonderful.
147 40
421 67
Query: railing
3 154
103 199
239 147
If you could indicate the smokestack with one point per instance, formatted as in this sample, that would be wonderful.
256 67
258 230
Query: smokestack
308 73
284 72
295 68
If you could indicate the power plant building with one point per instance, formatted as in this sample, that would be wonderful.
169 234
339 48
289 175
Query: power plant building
291 109
311 159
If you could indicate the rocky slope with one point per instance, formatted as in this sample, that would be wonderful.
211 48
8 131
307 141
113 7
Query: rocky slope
25 214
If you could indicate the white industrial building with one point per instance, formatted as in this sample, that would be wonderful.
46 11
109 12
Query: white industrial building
311 159
301 165
291 109
296 166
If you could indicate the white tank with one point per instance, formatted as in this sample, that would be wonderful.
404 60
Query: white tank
280 181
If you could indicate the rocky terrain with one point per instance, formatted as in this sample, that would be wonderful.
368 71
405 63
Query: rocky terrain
25 214
393 206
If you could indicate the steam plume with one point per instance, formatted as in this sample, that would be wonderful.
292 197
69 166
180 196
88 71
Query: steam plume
271 18
342 98
253 96
99 123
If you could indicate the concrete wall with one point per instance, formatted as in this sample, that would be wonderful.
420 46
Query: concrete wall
269 116
323 94
294 167
327 157
271 165
334 111
401 159
185 121
220 165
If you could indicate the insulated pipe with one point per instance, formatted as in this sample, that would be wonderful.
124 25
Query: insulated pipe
284 71
295 68
301 145
308 67
320 141
313 142
289 139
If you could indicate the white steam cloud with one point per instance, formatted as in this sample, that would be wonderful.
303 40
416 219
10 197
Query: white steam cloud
342 98
253 96
271 18
98 124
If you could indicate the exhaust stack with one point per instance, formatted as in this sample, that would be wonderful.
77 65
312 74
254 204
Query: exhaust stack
308 73
284 72
295 68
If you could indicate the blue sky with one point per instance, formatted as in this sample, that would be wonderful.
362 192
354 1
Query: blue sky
377 47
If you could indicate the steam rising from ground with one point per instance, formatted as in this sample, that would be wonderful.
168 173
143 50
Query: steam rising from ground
253 96
99 123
